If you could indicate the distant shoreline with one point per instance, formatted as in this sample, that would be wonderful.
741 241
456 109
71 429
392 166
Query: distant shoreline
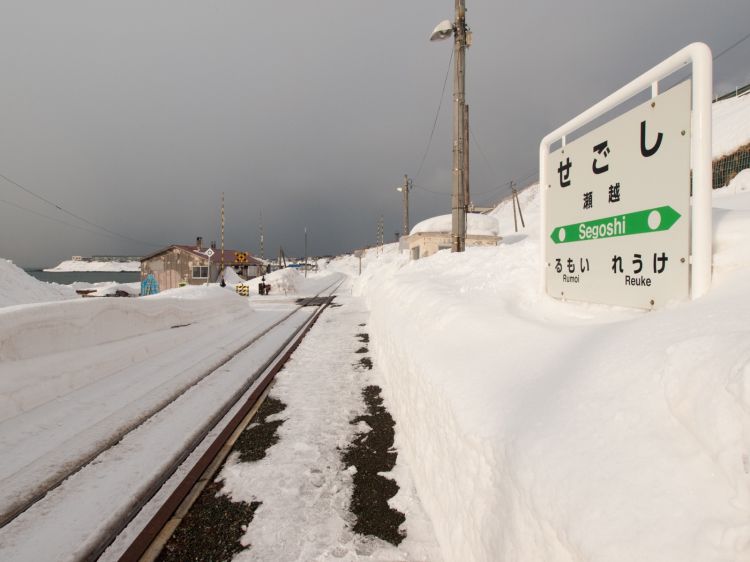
76 266
70 277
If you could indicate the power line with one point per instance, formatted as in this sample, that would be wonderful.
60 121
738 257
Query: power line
484 156
476 142
75 216
429 190
530 175
42 215
437 114
732 46
486 192
481 151
534 173
516 183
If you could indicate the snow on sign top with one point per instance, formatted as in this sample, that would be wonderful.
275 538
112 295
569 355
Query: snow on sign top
617 229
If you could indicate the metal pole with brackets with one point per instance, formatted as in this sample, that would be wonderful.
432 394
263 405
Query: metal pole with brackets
460 191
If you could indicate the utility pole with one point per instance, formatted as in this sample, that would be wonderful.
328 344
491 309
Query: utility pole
520 214
467 145
305 252
460 132
516 203
460 193
379 240
221 270
405 189
262 253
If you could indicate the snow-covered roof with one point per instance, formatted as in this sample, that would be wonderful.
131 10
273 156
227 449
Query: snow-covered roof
230 256
476 225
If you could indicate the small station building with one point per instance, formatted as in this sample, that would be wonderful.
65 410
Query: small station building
432 235
180 264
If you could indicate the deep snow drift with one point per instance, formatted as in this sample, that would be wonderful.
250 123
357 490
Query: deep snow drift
85 323
542 430
283 282
18 287
290 281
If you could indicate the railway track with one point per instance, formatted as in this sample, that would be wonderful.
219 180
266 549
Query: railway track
184 466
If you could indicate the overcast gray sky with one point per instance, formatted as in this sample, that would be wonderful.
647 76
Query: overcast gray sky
136 115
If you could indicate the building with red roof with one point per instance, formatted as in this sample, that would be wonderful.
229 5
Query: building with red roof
181 264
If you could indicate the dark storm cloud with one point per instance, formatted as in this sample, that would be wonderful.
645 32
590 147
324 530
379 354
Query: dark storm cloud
137 115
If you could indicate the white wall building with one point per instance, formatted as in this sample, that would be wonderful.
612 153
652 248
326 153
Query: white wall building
432 235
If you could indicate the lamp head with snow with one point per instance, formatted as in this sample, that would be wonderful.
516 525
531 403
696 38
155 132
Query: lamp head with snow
399 189
443 30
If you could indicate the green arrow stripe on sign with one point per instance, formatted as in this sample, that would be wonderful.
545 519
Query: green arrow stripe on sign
639 222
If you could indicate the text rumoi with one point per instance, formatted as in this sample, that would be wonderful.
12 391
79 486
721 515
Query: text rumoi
638 222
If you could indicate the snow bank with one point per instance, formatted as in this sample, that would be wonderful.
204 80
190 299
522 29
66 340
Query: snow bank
108 288
35 330
18 287
739 184
541 430
80 265
285 281
290 281
476 224
231 277
730 125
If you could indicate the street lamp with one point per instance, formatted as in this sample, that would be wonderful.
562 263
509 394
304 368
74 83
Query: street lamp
460 195
443 30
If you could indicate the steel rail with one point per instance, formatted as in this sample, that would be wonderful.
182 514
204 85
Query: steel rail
140 545
27 501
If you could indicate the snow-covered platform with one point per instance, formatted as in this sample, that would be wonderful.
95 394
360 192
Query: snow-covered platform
543 430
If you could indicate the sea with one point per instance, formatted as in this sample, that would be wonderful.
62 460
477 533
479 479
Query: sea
69 277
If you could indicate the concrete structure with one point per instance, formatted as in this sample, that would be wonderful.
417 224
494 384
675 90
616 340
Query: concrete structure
180 264
433 235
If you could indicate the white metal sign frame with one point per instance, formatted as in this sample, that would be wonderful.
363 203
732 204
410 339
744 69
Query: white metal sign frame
699 55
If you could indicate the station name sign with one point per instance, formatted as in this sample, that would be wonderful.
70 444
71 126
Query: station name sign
617 208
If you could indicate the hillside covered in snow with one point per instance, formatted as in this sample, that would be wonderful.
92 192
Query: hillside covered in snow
731 125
